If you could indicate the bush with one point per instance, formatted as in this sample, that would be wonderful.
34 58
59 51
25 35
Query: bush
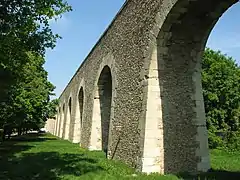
229 141
233 143
215 140
1 134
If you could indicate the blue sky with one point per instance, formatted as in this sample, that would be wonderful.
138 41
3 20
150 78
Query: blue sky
82 27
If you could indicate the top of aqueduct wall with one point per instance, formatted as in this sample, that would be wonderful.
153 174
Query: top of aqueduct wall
96 44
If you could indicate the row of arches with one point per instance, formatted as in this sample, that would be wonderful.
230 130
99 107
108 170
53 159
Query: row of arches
67 119
174 134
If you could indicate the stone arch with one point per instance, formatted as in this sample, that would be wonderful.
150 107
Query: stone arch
68 118
103 106
105 99
175 133
56 122
61 131
79 115
81 101
59 121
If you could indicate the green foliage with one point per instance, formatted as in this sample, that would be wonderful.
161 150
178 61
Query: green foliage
25 34
233 143
52 108
221 90
25 24
24 27
1 135
28 99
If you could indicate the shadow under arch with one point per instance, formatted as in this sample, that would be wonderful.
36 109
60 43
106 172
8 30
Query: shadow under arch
68 119
102 111
79 116
57 121
62 124
179 48
81 105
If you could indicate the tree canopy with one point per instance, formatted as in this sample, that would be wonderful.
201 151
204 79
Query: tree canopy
24 27
52 108
25 34
28 99
221 90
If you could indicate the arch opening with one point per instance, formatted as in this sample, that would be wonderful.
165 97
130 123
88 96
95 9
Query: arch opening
79 117
175 68
81 101
102 111
56 122
68 119
62 122
59 121
105 97
70 105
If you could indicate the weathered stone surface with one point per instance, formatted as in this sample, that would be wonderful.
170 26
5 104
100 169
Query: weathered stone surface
156 119
50 126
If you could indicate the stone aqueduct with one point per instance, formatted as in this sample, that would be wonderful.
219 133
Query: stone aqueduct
138 95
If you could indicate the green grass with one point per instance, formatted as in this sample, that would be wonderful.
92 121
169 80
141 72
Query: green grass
46 157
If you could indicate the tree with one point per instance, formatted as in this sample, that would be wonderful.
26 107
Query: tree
28 99
221 90
24 27
52 108
26 24
25 35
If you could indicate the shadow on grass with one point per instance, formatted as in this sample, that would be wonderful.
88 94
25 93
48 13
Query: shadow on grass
53 165
40 165
47 165
212 175
32 137
12 146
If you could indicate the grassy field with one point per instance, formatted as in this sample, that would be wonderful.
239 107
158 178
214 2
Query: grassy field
35 157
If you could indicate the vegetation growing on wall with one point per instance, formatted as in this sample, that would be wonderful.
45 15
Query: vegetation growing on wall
25 34
221 90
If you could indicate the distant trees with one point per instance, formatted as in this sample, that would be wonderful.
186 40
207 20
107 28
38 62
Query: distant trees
25 35
221 90
52 108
